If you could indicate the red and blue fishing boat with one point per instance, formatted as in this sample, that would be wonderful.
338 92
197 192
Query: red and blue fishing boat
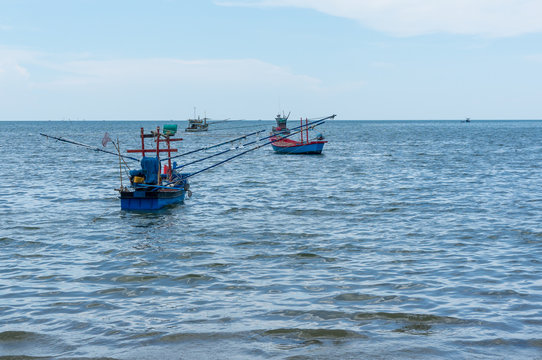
282 144
150 188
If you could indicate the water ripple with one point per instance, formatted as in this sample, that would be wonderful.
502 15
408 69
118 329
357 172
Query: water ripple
404 240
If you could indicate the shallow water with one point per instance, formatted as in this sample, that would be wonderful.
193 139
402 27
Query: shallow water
404 240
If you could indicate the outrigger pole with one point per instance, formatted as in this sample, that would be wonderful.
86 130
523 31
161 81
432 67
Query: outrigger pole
240 138
312 124
213 146
316 123
88 146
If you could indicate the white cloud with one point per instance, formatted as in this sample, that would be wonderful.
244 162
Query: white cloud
79 69
535 58
53 86
11 64
164 70
493 18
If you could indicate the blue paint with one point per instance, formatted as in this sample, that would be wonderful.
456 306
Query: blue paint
146 203
311 148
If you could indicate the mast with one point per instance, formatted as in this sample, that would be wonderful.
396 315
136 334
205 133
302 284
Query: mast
301 133
159 177
307 129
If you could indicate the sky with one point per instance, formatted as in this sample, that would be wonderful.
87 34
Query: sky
249 59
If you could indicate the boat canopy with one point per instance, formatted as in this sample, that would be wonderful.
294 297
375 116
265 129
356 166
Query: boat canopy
150 168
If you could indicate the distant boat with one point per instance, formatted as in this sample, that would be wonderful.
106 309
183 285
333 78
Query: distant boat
197 125
281 124
467 119
284 145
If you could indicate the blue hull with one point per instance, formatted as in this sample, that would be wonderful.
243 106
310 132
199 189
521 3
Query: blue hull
314 148
149 200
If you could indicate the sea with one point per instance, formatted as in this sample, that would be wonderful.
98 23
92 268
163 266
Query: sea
402 240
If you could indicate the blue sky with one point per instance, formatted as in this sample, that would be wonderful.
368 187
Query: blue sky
248 59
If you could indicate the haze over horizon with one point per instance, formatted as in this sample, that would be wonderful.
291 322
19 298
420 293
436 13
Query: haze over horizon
248 59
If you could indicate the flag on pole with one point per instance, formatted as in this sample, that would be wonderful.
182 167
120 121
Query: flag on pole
106 139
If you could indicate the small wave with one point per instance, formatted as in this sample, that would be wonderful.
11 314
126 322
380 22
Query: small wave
111 291
135 278
312 212
191 278
6 240
190 336
263 256
520 343
501 293
26 227
28 256
236 287
18 336
415 329
313 334
314 314
35 345
216 265
236 210
307 255
193 254
420 318
354 297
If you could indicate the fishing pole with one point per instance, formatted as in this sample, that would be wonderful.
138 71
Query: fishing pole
246 151
240 138
87 146
313 124
236 127
213 146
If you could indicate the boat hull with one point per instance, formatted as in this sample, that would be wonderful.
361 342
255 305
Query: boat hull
150 200
287 146
195 130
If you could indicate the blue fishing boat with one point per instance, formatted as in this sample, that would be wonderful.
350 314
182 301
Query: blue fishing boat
288 146
282 144
151 189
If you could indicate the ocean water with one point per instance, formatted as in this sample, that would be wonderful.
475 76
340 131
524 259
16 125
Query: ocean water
403 240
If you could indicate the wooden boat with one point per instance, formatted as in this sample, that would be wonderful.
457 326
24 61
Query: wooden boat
281 124
150 189
283 145
288 146
197 125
